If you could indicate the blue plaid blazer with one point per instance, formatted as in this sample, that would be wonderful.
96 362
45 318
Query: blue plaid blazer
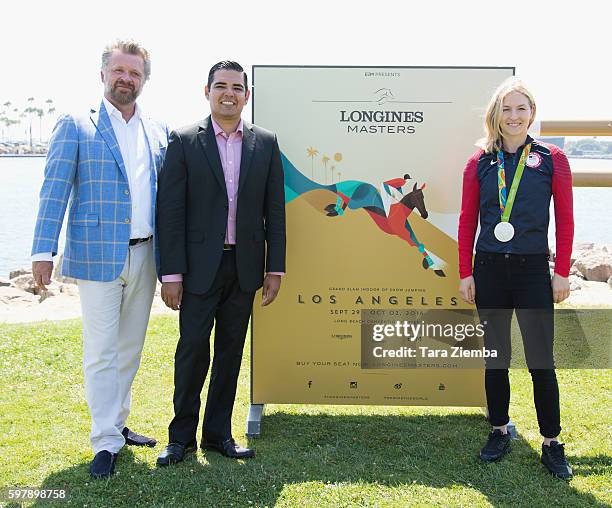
84 167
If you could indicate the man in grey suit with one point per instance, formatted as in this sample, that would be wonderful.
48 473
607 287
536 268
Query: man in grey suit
105 164
221 226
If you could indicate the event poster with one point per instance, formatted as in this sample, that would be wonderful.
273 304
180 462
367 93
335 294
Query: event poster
373 161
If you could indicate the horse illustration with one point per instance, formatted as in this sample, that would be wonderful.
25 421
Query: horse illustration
391 217
389 212
383 95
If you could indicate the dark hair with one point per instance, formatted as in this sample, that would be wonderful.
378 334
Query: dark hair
227 65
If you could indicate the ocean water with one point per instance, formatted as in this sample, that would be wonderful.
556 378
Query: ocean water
20 180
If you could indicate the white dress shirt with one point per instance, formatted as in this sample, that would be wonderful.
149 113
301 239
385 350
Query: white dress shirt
136 159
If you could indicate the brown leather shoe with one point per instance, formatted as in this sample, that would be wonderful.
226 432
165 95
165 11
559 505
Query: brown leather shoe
229 448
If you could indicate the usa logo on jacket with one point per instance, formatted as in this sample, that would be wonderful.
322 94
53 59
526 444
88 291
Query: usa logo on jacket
534 160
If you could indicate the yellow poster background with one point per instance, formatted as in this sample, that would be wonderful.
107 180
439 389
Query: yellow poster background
306 346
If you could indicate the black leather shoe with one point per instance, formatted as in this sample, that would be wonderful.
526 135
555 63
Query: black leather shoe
497 445
228 448
174 453
133 439
103 464
553 457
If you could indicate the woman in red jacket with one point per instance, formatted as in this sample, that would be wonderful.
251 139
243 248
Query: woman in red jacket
508 184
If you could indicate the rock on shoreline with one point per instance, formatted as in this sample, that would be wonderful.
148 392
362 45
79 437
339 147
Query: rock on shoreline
590 266
21 301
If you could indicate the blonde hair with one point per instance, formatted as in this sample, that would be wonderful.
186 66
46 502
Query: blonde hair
129 47
492 142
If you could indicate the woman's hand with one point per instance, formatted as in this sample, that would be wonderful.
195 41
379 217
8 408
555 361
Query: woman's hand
467 288
560 288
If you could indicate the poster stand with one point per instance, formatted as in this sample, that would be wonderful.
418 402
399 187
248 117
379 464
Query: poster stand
253 423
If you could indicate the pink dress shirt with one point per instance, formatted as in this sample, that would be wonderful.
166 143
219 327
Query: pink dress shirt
230 152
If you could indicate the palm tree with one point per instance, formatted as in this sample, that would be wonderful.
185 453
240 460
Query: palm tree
325 159
4 119
12 122
7 122
312 153
50 108
30 111
40 112
22 117
332 173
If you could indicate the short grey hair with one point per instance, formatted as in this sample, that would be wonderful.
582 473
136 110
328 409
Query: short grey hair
129 47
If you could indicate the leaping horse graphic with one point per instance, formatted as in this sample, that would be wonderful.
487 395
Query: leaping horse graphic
383 95
390 214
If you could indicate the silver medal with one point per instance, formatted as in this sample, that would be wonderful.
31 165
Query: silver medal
504 231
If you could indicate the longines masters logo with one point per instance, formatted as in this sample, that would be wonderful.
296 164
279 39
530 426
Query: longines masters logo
375 120
378 121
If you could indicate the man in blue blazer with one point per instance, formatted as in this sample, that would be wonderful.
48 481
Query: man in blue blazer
105 166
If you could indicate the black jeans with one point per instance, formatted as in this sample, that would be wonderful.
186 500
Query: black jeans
505 283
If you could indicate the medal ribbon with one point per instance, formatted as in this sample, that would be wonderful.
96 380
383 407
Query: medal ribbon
506 201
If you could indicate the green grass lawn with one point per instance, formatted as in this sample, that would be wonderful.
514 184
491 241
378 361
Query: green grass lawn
333 456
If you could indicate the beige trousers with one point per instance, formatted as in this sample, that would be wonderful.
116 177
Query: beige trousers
115 319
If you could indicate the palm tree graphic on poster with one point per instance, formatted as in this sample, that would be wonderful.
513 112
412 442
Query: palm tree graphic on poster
325 159
312 153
